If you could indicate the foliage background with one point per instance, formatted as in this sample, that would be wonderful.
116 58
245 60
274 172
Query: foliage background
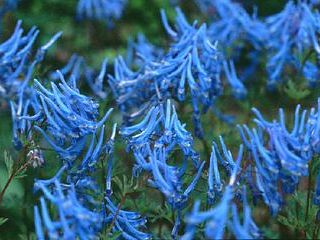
94 41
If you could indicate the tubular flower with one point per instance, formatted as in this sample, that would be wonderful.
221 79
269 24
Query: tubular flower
77 69
96 80
102 10
191 61
239 90
68 113
17 63
65 118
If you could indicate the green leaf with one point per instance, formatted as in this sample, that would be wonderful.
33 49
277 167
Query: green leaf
3 220
21 174
285 221
294 92
8 162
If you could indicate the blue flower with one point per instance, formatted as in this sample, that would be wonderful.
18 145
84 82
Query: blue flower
72 70
214 180
141 51
96 81
161 127
68 113
247 230
191 61
311 73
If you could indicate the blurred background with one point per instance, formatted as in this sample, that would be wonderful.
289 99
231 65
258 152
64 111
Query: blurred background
95 41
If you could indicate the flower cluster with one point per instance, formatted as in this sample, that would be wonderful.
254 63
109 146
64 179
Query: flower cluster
153 141
281 155
74 219
219 217
293 33
17 64
191 61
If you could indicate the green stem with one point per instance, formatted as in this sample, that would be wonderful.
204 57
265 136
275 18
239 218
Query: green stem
309 192
206 148
13 174
123 199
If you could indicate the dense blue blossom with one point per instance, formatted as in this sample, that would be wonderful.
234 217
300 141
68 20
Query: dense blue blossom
232 24
74 218
281 155
191 62
68 113
150 86
65 117
160 127
102 10
293 32
217 219
16 63
152 141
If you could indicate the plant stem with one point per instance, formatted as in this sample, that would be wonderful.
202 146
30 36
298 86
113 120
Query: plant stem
309 192
206 148
13 174
123 199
